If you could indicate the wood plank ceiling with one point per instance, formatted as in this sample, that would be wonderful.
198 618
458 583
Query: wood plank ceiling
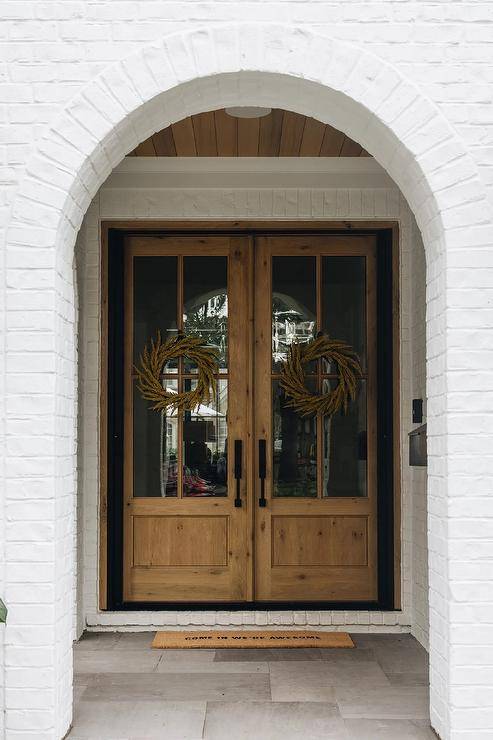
280 134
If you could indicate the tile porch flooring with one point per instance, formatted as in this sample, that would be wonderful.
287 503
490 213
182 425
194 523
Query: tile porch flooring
124 690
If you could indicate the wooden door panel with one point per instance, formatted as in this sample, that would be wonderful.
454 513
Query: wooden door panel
175 585
323 540
180 541
316 538
319 583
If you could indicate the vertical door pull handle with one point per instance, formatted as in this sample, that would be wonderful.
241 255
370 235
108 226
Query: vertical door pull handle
262 470
238 470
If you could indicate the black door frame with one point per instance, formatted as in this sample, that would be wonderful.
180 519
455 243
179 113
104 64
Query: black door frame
388 483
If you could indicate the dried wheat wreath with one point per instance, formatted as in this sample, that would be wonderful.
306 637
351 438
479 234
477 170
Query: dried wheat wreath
293 377
157 355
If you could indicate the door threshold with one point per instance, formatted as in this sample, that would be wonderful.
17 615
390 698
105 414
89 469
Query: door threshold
252 606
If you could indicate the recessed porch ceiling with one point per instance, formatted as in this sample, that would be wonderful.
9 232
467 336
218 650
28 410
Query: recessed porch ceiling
282 133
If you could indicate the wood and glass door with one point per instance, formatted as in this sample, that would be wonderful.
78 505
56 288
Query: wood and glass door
316 535
186 527
241 499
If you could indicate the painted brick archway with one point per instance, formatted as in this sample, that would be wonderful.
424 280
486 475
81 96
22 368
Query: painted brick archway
370 101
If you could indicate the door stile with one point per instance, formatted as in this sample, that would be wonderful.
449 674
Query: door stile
128 421
239 409
263 404
249 245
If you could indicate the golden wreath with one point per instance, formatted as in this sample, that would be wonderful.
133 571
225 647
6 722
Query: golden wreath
293 377
157 355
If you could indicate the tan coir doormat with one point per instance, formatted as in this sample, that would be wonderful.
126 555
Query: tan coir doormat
253 638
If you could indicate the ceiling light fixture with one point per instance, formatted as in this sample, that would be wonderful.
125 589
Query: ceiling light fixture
248 112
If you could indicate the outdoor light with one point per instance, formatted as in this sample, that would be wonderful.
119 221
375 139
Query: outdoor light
248 112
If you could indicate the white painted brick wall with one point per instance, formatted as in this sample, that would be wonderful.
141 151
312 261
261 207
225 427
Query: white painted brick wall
127 194
418 482
411 80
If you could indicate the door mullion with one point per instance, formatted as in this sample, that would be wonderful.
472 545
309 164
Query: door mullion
319 419
179 415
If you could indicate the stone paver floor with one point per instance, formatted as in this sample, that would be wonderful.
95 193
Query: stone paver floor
124 690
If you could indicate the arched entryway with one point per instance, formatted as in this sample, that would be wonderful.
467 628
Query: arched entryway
278 67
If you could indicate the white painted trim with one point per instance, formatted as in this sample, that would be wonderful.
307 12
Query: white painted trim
243 172
348 165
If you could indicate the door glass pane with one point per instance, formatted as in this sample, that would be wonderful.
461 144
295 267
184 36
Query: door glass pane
294 302
344 445
155 441
344 302
155 306
205 441
205 303
294 449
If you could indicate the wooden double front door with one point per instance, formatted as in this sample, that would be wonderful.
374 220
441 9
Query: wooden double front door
241 499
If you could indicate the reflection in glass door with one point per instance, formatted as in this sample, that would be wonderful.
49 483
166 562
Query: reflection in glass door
298 314
205 435
186 452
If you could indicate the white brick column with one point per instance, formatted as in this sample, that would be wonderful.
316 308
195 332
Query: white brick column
373 103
